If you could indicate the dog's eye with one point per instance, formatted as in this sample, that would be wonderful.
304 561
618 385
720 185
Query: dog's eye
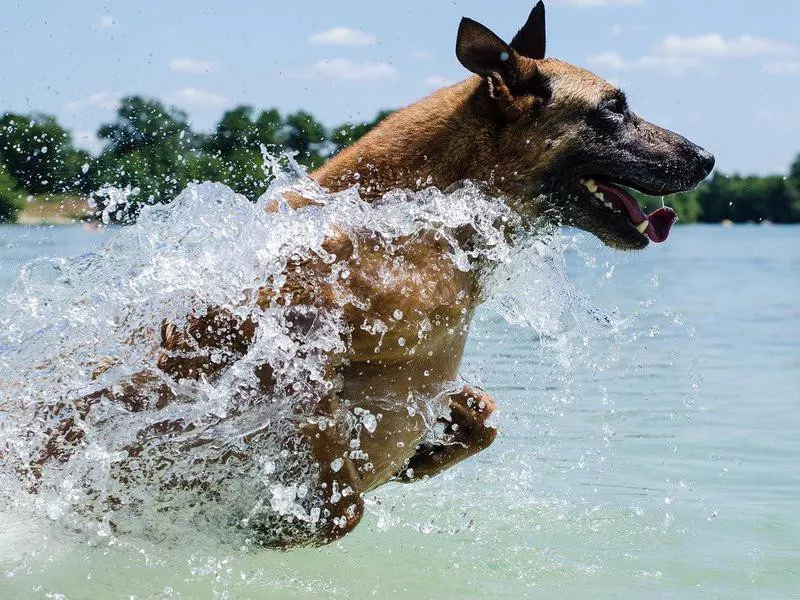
614 105
611 114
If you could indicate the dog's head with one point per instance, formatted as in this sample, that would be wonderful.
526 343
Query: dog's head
569 135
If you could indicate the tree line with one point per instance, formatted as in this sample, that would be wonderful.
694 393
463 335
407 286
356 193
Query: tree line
151 147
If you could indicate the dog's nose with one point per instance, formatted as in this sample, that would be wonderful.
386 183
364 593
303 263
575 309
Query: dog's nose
707 160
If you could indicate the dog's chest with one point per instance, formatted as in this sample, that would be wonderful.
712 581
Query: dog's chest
406 304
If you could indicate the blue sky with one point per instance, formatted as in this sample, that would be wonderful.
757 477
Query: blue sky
725 73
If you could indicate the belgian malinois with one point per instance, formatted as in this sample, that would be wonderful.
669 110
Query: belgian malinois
557 143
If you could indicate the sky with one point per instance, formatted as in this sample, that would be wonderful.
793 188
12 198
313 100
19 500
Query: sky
724 73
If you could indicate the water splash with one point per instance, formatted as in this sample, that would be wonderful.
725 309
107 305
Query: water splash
75 328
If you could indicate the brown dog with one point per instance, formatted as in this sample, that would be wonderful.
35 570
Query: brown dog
556 142
551 138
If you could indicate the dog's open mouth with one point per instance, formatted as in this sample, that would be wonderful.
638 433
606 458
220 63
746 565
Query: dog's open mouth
655 226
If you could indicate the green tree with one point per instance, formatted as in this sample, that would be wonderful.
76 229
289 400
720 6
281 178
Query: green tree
232 153
794 183
39 154
10 196
239 128
236 129
269 128
306 136
144 124
794 172
749 199
242 170
149 147
686 205
349 133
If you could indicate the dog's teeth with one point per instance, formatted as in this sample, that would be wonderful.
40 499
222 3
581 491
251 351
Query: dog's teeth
608 204
590 185
642 227
600 196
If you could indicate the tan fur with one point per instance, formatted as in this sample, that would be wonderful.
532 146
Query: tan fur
480 130
460 133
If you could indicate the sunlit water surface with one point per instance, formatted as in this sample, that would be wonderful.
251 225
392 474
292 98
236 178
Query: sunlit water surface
650 432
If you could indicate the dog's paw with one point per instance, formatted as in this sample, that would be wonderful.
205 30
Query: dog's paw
469 414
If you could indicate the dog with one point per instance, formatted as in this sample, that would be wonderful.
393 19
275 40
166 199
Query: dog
556 142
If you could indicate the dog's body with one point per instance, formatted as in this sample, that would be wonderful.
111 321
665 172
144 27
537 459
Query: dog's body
529 128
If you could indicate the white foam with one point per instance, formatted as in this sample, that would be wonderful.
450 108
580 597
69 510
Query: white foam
213 247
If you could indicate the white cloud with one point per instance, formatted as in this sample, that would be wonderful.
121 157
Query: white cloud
628 29
198 98
346 70
785 67
193 66
104 100
675 55
436 81
713 44
607 60
89 141
780 119
670 64
603 2
108 22
343 36
422 55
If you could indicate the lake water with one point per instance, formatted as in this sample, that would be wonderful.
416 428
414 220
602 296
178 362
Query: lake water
658 461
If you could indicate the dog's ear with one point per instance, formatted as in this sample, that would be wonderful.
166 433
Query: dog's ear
531 40
481 51
484 53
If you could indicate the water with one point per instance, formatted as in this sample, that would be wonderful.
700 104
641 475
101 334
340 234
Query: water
649 437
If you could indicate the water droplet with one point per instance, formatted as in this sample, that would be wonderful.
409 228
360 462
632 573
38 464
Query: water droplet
370 422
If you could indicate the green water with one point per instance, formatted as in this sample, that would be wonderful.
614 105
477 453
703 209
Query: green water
657 462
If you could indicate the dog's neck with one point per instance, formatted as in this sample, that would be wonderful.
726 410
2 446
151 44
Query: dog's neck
439 141
452 136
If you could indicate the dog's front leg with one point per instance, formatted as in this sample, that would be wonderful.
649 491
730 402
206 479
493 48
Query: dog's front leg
467 429
340 489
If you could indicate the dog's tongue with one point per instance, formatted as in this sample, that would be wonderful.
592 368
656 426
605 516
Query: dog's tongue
660 221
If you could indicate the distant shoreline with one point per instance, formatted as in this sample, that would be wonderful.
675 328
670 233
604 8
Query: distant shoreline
152 147
66 210
70 209
76 211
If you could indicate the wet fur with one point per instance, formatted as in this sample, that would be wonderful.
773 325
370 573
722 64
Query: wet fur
521 126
